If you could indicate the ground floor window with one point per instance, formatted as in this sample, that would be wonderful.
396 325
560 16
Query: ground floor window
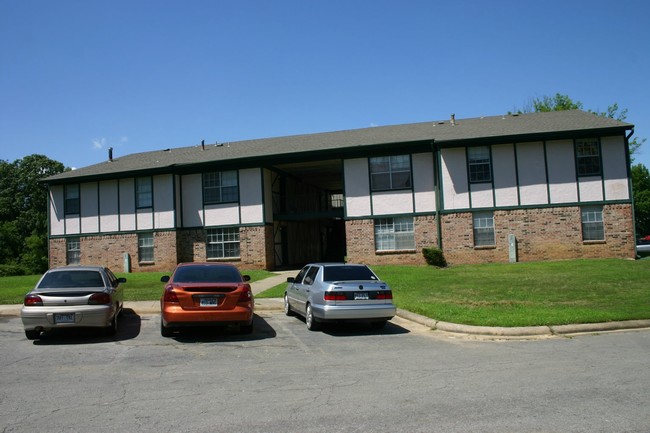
145 247
483 229
222 243
592 223
393 234
73 251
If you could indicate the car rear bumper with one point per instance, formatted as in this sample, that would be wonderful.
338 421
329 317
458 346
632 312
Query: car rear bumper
174 315
353 312
43 317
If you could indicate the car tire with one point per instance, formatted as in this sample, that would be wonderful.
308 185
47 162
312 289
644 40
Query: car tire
111 329
32 334
310 320
287 307
164 330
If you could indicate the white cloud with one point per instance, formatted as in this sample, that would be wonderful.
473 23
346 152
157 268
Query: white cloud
99 143
124 139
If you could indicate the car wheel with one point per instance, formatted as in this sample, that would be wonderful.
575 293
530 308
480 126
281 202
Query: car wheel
310 320
164 331
287 306
32 335
112 328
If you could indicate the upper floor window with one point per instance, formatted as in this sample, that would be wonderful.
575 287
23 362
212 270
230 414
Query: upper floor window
71 205
479 164
143 192
390 172
588 157
220 187
483 229
593 228
393 234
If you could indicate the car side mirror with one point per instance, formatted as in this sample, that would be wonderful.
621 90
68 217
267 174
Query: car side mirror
121 280
246 277
164 278
290 279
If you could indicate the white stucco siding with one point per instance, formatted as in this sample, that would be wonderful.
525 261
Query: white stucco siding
504 170
163 201
89 207
144 219
482 195
392 202
532 174
221 214
192 200
591 188
423 182
250 196
563 187
615 168
357 187
127 205
57 223
108 206
72 225
454 179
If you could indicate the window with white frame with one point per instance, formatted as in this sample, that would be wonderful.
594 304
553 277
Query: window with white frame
479 164
72 251
390 172
394 234
220 187
588 157
483 229
145 247
143 192
71 205
593 228
222 243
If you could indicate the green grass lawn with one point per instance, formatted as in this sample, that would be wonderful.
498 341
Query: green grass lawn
521 294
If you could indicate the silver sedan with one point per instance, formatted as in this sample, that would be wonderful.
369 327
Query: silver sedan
324 292
73 296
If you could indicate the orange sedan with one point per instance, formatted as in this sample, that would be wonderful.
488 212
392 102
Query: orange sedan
206 294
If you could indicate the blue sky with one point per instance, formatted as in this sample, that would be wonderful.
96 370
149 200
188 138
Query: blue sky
80 76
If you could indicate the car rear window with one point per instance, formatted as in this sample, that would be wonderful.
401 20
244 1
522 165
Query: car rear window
70 279
347 273
207 274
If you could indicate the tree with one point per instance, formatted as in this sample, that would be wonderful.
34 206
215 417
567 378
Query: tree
641 191
23 211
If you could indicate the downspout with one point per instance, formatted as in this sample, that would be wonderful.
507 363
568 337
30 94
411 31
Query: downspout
435 148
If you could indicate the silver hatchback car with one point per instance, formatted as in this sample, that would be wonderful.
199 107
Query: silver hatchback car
73 296
324 292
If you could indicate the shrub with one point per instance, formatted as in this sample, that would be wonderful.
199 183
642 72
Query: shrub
11 270
434 257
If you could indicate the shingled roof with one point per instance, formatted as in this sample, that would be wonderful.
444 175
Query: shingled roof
448 133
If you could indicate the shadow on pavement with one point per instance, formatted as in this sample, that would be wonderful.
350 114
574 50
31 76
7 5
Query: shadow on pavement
261 331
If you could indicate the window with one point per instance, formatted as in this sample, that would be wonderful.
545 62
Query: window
71 205
220 187
592 223
390 172
588 157
393 234
72 251
478 159
145 247
143 192
483 229
223 243
311 275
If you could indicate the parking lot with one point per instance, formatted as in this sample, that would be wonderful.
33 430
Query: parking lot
284 378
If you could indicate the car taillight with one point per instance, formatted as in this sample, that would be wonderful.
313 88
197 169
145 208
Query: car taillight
99 299
246 294
33 300
170 296
333 296
385 295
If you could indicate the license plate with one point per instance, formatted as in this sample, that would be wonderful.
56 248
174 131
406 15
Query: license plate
209 302
64 318
361 296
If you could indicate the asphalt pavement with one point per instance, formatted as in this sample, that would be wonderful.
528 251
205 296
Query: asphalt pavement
276 304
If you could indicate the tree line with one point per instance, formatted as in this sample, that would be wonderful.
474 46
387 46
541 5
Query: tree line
23 196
